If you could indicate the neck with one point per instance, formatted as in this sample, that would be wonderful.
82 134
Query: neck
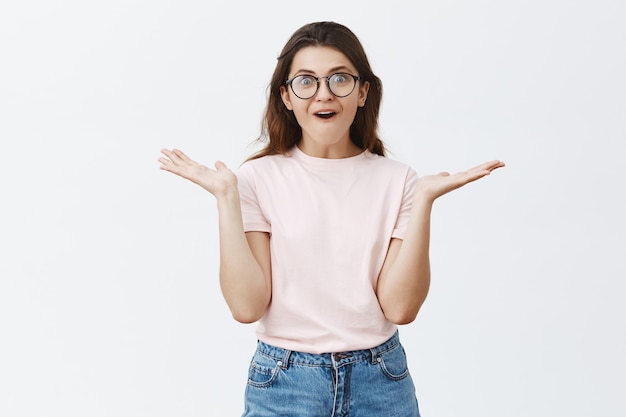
335 151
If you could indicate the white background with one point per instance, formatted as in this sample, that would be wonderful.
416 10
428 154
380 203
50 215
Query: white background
109 299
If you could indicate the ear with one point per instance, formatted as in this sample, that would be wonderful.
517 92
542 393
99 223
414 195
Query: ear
363 93
284 94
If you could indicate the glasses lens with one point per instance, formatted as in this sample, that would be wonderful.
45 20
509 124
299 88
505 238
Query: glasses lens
341 84
304 86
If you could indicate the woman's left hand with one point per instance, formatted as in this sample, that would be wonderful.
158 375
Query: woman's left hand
432 187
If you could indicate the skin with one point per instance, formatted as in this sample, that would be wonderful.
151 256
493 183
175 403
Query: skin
245 270
325 138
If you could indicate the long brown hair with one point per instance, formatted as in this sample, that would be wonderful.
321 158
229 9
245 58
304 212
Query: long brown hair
280 130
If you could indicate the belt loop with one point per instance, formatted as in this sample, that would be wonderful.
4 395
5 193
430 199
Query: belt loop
377 350
285 360
374 354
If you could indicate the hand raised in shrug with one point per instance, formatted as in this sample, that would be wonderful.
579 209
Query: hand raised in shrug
218 181
431 187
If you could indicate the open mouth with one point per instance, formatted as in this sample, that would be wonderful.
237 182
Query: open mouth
325 114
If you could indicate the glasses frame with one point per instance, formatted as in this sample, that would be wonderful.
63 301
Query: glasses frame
290 81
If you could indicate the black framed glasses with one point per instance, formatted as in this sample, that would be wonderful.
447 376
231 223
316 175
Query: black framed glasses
340 84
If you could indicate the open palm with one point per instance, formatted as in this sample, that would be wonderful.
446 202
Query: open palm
216 181
434 186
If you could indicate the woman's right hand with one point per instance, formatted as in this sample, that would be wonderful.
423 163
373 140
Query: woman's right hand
218 181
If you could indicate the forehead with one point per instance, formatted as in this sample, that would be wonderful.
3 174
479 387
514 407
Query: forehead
320 60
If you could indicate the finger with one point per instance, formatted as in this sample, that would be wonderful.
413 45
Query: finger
177 157
492 165
171 155
180 154
164 161
219 165
497 164
465 177
167 165
489 166
479 171
475 175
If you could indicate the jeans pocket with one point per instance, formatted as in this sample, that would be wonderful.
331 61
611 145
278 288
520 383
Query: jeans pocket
393 363
263 370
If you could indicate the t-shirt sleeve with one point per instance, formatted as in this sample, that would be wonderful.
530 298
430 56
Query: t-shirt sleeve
253 218
404 213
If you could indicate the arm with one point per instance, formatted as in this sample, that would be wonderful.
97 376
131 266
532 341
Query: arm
245 274
405 276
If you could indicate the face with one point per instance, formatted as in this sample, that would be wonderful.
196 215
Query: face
325 119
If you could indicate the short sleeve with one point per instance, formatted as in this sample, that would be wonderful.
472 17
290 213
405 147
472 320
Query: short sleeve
404 213
253 218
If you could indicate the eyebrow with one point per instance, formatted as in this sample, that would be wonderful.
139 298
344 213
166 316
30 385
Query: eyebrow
332 70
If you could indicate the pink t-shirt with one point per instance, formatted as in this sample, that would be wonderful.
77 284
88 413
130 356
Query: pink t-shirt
330 223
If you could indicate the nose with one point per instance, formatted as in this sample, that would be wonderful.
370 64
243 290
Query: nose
323 90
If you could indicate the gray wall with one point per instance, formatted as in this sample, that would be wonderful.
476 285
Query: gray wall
109 299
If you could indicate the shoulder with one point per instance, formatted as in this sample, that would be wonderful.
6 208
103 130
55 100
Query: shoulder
386 164
261 164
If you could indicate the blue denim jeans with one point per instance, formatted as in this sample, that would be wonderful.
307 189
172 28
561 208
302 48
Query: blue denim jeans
362 383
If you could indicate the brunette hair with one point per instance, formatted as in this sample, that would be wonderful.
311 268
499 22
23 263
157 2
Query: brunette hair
280 130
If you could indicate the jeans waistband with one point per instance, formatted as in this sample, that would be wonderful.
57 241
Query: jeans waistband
285 357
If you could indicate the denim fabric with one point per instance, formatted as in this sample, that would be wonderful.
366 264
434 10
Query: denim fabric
363 383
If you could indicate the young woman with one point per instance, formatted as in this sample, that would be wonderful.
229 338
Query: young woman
323 240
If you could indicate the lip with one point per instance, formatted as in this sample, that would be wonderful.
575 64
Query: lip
325 111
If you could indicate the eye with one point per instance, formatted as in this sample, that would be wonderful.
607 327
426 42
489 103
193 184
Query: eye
340 78
305 81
